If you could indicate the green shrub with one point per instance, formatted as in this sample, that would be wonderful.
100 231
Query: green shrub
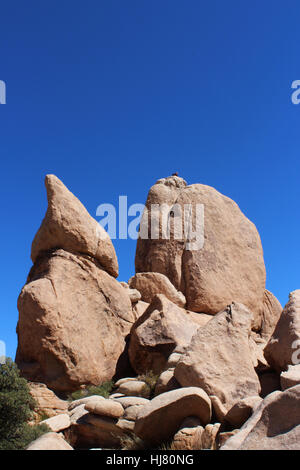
104 390
16 405
150 379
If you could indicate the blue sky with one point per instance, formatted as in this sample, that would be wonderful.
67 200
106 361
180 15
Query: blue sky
112 95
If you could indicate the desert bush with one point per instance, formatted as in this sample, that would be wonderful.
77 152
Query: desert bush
16 409
150 379
103 390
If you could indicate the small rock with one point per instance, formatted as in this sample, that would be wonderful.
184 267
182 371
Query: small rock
58 423
135 388
49 441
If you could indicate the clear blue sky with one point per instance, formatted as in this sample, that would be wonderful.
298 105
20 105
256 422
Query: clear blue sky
112 95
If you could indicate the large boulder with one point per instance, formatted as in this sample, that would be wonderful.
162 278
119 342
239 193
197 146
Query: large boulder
150 284
160 419
163 327
73 320
68 225
275 425
283 348
228 266
218 359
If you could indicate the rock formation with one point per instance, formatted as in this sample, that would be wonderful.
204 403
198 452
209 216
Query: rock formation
162 328
203 355
229 266
275 425
73 315
218 359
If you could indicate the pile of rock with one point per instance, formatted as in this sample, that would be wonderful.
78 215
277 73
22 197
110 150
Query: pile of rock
225 353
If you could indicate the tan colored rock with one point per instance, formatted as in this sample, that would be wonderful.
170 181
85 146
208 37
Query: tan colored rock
46 400
257 345
271 313
189 435
136 388
132 412
220 410
49 441
77 413
68 225
150 284
73 320
291 377
209 436
113 396
58 423
275 425
124 380
283 349
218 360
160 419
134 294
224 436
166 382
229 266
132 401
173 359
242 411
89 430
108 407
83 401
126 425
163 327
139 309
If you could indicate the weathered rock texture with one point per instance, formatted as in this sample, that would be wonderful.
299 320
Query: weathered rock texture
47 403
150 284
242 410
73 315
228 267
163 327
275 425
68 225
73 320
58 423
271 312
218 359
160 419
102 407
283 348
